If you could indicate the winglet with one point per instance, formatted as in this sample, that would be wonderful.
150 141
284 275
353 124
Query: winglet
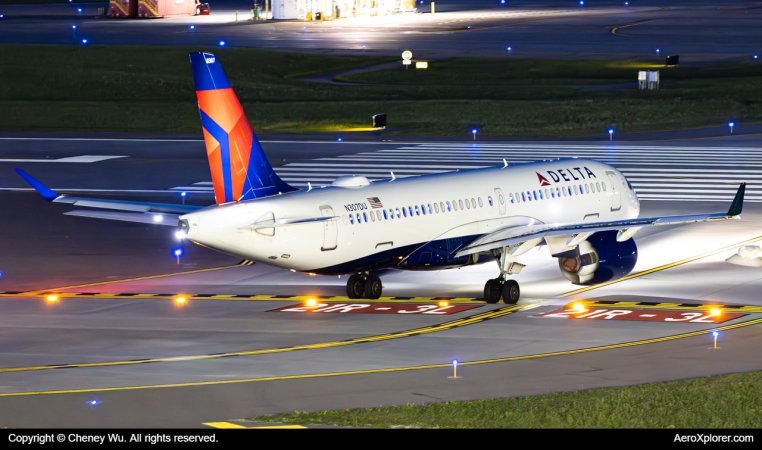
737 205
43 190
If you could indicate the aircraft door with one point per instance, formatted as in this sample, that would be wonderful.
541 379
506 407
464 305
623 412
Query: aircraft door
616 192
330 229
500 200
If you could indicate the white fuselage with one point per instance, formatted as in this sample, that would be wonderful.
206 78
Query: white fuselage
451 208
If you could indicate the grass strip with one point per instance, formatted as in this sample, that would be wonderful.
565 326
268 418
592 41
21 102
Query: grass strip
150 89
726 401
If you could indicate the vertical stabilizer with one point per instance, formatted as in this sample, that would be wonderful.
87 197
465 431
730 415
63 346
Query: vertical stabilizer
240 170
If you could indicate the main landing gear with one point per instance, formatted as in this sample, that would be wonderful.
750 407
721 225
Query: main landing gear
496 288
364 286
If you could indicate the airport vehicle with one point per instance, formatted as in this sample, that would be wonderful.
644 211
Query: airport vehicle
585 212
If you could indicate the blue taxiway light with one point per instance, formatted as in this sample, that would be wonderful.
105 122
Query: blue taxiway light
79 10
93 402
509 49
715 334
178 252
84 41
657 50
502 2
454 362
473 131
731 124
193 27
222 43
581 2
183 194
755 56
339 139
611 131
73 27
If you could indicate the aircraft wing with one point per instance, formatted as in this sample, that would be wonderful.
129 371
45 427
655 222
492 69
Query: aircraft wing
515 235
137 208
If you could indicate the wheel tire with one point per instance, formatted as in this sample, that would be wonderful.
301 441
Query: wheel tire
355 286
492 291
511 292
373 287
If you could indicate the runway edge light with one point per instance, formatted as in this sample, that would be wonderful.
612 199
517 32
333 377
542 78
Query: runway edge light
51 298
181 300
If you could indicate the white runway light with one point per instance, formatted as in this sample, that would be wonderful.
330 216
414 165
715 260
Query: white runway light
157 218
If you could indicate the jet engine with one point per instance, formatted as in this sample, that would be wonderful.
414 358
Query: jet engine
598 259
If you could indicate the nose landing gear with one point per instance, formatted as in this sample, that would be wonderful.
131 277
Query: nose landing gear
364 286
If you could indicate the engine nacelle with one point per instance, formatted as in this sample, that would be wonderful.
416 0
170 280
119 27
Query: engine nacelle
598 259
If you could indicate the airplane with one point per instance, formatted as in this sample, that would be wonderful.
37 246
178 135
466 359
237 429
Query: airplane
585 212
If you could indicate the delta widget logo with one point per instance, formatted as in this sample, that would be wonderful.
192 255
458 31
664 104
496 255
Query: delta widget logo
543 180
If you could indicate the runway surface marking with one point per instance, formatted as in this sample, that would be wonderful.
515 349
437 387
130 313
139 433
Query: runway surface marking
399 369
705 173
379 308
71 159
613 30
470 320
664 267
640 315
100 283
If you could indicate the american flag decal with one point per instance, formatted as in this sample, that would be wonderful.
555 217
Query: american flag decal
375 203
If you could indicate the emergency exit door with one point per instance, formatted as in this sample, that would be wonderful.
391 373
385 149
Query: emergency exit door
500 200
330 230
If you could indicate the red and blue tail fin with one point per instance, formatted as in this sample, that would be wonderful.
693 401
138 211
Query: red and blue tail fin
240 170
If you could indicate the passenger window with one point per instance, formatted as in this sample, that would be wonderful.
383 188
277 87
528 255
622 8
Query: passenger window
410 209
489 199
441 206
436 208
523 199
541 197
468 205
598 186
481 204
509 196
372 217
385 218
535 194
430 207
473 203
448 206
404 212
351 219
365 217
546 193
558 192
454 205
460 203
570 191
580 189
359 219
378 213
417 211
603 185
587 189
552 193
398 213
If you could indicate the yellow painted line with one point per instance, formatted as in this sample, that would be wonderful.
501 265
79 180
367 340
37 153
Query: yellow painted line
664 267
470 320
396 369
100 283
228 425
613 30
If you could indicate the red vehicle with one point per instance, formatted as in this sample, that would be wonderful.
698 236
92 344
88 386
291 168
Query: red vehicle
202 9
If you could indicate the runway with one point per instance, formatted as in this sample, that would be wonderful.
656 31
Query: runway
700 32
116 335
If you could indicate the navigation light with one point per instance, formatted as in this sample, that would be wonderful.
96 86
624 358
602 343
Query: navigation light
179 235
157 218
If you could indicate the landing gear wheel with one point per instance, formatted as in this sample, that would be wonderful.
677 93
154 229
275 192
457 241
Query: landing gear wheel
492 291
373 287
355 286
511 292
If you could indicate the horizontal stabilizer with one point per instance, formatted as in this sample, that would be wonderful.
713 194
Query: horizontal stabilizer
156 219
288 222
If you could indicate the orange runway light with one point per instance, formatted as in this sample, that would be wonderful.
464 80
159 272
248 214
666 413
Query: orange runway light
311 302
51 298
181 300
715 311
443 303
579 307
